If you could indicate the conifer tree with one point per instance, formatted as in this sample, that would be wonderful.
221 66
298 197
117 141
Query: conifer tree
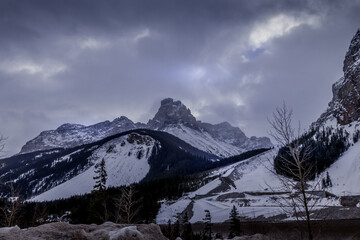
98 204
187 229
208 225
235 223
176 231
328 180
101 176
169 230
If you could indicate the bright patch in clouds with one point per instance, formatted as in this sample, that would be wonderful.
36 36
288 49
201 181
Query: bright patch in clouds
94 44
278 26
143 34
46 69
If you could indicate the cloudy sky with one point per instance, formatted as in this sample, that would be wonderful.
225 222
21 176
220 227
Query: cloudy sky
227 60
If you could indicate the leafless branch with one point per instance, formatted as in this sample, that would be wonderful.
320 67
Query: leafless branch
12 207
295 164
127 205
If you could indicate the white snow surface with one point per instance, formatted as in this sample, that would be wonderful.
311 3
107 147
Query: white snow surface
204 141
344 173
122 165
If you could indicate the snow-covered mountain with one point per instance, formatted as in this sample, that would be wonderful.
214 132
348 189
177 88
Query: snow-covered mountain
129 157
126 161
72 135
173 117
221 139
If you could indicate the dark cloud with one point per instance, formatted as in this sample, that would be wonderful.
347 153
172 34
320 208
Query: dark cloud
88 61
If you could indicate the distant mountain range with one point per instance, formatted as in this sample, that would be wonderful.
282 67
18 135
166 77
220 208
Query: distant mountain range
222 140
61 163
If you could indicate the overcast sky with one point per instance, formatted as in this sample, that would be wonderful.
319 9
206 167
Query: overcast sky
227 60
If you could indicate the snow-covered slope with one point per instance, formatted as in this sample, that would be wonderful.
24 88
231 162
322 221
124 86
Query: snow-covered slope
250 185
204 141
126 162
345 173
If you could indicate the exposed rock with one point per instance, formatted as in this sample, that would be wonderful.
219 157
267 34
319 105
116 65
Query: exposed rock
219 139
345 105
106 231
172 112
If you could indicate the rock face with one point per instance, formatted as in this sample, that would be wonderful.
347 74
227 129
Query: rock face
171 113
220 139
173 117
106 231
345 105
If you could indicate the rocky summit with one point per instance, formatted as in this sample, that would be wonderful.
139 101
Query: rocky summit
172 112
345 105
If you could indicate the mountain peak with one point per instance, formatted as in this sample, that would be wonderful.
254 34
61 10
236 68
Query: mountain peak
168 101
172 112
345 105
69 126
353 54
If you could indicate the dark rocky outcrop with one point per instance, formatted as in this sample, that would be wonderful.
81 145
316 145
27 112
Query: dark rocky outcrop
66 231
345 105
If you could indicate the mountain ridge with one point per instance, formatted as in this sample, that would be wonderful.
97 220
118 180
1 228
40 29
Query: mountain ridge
173 117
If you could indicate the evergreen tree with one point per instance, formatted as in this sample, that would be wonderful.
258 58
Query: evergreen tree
169 231
235 223
187 229
176 231
328 180
208 225
323 183
101 176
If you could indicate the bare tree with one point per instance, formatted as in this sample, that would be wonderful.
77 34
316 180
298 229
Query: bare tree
2 144
12 204
127 205
11 207
40 213
295 163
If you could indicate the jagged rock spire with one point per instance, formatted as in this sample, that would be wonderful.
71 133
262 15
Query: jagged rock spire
172 112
